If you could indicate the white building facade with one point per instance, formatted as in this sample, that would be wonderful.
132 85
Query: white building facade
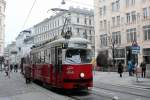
24 42
79 21
10 53
2 25
119 24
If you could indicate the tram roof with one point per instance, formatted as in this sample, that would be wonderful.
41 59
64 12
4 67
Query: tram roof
77 40
62 40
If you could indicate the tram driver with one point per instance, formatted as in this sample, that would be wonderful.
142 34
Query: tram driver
73 57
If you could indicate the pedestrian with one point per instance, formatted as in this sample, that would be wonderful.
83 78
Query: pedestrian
6 70
143 67
28 74
11 67
137 71
120 69
130 68
16 68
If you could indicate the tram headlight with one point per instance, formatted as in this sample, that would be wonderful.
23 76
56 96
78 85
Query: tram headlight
82 75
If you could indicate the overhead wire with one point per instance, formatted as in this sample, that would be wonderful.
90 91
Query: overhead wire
29 13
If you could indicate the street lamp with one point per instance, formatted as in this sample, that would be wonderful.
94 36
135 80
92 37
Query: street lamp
63 2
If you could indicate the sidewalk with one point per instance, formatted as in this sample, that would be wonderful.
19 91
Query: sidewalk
114 79
14 88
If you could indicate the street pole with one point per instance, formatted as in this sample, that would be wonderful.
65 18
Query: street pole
113 47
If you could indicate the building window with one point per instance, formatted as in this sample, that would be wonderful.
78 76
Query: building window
78 30
146 31
103 39
118 20
127 3
116 37
101 25
78 20
133 14
90 35
131 35
90 22
113 6
58 22
85 34
104 10
146 13
113 21
85 21
101 12
130 3
105 24
116 6
128 17
131 17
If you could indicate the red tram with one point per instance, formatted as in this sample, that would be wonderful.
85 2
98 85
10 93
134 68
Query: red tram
62 63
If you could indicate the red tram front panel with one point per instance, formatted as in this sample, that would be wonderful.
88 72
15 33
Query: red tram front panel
77 76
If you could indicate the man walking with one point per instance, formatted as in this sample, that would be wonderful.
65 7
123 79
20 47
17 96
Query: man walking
130 68
143 66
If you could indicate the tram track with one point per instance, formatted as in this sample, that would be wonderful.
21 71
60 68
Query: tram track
89 94
102 92
123 90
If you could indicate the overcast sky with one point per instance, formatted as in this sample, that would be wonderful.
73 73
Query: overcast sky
17 12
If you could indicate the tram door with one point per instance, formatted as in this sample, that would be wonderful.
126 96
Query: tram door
57 72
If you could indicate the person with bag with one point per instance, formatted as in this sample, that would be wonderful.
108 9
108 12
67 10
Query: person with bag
28 74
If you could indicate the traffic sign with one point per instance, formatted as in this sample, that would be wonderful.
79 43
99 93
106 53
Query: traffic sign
135 48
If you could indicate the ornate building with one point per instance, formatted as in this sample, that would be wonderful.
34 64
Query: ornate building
2 25
79 21
118 25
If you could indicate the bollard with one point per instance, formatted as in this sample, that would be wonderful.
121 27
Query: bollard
115 98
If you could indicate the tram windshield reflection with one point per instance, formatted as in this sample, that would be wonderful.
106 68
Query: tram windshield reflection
78 56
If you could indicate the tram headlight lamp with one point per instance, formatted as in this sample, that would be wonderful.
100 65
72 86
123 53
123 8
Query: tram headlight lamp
82 75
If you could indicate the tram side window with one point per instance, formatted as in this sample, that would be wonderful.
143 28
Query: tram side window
39 57
42 56
59 56
53 55
36 57
31 59
47 56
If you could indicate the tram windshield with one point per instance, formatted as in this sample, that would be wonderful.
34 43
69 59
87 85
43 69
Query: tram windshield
78 56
